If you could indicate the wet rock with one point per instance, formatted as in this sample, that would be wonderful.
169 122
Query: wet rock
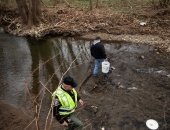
132 88
91 109
160 97
168 75
95 109
157 52
102 128
142 57
119 85
2 30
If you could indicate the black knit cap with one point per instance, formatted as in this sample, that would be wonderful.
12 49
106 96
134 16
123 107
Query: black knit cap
69 81
97 38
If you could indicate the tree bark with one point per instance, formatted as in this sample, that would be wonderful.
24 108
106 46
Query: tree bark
32 15
30 19
34 12
23 10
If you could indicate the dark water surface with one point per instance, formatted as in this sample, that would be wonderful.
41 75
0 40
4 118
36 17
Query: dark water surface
30 63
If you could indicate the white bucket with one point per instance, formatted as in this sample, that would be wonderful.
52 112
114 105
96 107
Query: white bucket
105 66
152 124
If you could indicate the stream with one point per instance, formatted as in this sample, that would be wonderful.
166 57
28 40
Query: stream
38 65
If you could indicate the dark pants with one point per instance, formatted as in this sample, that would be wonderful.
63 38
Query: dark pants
75 123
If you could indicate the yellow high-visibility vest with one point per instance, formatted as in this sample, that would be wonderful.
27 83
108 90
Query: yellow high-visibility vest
68 105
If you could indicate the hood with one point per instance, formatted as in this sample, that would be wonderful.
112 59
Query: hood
96 41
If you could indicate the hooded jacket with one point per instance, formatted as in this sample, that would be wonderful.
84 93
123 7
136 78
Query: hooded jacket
98 50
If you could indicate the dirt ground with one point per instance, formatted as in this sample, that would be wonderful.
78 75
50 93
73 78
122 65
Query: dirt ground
115 112
13 119
126 98
122 100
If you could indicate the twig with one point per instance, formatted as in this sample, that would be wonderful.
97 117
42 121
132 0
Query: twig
69 67
93 87
29 124
42 65
165 116
28 91
36 119
45 87
67 3
47 117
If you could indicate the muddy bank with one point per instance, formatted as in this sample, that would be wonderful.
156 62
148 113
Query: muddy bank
116 102
110 25
13 119
137 90
79 22
161 44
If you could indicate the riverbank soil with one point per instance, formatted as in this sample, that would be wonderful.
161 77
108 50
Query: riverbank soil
137 90
124 99
115 26
13 119
67 21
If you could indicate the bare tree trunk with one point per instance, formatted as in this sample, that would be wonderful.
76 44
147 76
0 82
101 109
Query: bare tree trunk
91 5
30 20
97 3
57 2
25 7
124 3
34 12
32 15
39 13
23 10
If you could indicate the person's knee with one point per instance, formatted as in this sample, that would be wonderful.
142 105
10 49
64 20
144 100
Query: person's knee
80 125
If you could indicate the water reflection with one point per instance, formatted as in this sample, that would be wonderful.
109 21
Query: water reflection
43 62
38 61
14 68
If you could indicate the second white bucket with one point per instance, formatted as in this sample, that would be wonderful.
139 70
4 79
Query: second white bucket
105 66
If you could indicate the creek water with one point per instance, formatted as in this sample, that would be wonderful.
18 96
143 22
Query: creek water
38 65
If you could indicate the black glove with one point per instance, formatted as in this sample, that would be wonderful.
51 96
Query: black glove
54 111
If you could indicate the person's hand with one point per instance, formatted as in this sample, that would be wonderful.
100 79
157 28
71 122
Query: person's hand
92 58
64 123
108 58
81 102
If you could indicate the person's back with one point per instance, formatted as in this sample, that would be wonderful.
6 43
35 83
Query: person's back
98 52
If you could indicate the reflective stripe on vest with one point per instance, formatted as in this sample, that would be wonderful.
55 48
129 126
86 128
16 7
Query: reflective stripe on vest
67 103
